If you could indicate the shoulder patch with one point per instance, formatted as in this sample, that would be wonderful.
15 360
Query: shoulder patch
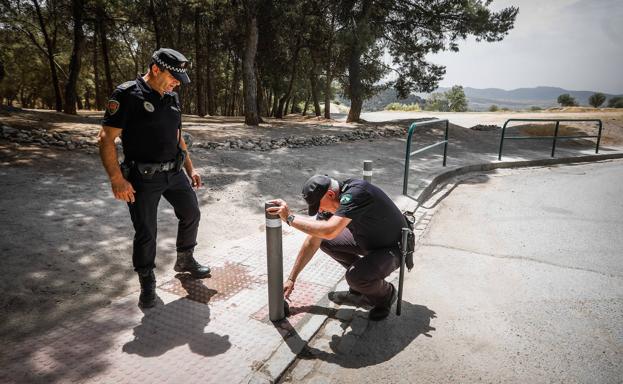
112 106
127 84
346 198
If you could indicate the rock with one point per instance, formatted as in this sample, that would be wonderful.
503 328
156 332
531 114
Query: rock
188 138
71 146
6 130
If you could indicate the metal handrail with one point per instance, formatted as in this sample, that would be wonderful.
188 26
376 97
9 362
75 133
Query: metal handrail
408 153
553 138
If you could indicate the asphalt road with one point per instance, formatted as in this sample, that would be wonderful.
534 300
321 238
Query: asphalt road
518 279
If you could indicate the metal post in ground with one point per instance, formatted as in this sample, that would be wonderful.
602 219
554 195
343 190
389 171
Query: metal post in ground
401 276
367 170
274 259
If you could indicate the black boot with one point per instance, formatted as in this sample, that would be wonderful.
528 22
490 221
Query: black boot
147 298
380 312
187 263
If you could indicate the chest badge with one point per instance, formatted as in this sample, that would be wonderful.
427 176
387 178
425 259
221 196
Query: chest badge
346 198
149 107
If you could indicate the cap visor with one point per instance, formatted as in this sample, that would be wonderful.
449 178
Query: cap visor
182 77
313 209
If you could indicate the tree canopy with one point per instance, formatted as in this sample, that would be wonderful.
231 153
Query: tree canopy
249 57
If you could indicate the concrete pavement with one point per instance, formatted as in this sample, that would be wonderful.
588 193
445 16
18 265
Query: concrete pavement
518 279
217 330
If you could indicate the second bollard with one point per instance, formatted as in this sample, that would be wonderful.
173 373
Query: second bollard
367 170
274 260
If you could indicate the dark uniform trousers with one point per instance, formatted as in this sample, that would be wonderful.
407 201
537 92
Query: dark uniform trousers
365 269
175 187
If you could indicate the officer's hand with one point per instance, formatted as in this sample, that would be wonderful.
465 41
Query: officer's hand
123 190
288 287
196 179
282 209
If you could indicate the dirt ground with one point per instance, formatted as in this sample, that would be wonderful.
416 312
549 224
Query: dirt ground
67 243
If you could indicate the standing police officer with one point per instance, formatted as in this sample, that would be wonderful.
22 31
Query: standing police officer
359 226
146 114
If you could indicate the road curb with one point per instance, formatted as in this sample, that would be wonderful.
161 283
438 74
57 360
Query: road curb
427 192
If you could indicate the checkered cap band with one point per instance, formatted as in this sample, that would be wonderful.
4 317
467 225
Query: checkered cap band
167 66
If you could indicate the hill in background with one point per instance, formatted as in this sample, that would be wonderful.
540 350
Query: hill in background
482 99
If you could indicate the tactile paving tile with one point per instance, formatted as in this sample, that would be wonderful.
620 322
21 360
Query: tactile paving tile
303 301
225 282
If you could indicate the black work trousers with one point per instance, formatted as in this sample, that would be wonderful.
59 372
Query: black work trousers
175 187
366 270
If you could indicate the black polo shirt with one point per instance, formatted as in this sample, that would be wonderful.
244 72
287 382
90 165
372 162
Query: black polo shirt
150 122
376 222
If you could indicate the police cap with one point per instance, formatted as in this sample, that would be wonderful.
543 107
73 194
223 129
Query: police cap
174 62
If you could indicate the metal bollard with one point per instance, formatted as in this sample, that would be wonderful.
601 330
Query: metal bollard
405 235
367 170
274 260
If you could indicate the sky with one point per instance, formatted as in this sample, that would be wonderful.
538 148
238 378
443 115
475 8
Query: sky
572 44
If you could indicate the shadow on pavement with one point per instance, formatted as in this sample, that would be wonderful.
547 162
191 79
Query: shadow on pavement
177 323
378 342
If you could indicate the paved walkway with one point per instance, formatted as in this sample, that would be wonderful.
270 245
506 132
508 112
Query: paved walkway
216 330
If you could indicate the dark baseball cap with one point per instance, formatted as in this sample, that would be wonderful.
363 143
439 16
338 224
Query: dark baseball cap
313 190
175 62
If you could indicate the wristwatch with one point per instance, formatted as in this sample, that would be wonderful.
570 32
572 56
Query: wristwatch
290 219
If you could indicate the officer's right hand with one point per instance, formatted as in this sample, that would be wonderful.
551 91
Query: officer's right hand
123 190
288 287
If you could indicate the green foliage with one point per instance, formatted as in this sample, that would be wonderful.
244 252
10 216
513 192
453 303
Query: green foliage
566 100
437 102
535 108
615 102
457 102
413 107
597 99
493 108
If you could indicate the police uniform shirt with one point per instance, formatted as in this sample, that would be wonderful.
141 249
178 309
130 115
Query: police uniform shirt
149 121
376 222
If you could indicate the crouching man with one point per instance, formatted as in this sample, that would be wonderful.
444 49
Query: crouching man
356 224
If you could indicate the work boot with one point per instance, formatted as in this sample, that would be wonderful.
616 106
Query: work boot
350 297
187 263
147 298
382 311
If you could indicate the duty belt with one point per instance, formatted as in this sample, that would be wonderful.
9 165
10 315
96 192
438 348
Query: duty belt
151 168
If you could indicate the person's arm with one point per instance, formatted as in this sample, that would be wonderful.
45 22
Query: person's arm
188 166
121 188
308 250
324 229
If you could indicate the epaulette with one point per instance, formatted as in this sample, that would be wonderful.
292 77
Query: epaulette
126 85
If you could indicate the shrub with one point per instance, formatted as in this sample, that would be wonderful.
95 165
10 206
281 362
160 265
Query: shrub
535 108
493 108
414 107
615 102
566 100
597 99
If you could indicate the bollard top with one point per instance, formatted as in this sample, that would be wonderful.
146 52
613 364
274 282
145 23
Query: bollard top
268 215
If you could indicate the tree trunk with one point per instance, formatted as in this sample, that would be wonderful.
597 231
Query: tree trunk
154 21
234 87
275 108
354 79
286 97
306 106
249 81
87 99
100 13
58 99
99 102
201 108
313 80
76 54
